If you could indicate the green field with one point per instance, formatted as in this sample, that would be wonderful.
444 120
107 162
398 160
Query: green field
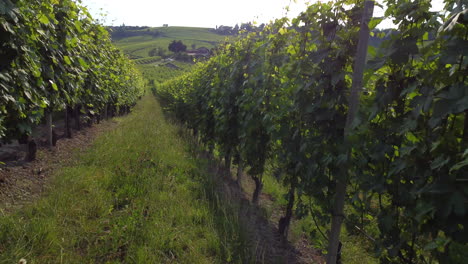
160 72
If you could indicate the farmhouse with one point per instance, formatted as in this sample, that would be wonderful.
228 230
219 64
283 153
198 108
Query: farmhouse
200 52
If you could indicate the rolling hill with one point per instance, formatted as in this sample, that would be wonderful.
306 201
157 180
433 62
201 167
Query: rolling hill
148 48
142 41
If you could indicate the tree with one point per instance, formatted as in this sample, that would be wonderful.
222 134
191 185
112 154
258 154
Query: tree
153 52
177 46
247 26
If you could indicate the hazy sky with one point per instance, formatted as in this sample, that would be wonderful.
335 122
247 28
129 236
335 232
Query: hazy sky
198 13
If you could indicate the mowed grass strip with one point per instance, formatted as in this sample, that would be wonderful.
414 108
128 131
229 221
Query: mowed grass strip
137 196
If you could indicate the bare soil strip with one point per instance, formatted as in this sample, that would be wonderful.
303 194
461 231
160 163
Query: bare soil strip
23 182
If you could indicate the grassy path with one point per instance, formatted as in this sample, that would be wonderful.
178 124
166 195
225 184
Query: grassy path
137 196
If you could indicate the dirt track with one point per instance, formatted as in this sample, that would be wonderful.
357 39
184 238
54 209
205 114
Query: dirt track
21 182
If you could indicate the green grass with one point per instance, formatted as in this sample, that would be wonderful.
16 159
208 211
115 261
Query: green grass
356 248
138 195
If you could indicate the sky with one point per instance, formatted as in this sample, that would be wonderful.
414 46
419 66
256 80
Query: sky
200 13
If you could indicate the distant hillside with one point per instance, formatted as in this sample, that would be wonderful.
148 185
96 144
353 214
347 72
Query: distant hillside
144 42
148 48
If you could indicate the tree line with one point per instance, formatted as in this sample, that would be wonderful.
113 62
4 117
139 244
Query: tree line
121 32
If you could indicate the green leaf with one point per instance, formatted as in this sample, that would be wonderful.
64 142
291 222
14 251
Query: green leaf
78 26
8 27
375 22
43 19
426 36
439 242
67 60
439 162
28 95
36 72
83 63
5 77
432 245
411 137
54 85
459 165
465 153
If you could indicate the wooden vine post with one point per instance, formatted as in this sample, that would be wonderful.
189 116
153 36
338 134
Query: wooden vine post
359 64
77 111
106 106
49 125
68 114
240 168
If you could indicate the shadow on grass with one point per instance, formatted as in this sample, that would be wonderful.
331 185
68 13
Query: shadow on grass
253 239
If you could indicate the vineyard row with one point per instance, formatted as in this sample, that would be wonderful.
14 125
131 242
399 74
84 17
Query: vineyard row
282 96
